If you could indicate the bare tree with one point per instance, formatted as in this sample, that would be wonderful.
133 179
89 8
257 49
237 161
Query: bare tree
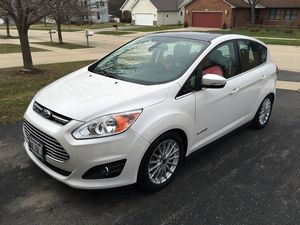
114 7
25 13
62 10
253 4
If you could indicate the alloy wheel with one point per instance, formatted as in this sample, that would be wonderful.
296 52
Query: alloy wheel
265 111
163 161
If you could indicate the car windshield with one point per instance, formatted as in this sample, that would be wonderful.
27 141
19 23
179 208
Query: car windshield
150 60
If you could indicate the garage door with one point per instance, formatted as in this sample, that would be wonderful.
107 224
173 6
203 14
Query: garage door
145 19
207 19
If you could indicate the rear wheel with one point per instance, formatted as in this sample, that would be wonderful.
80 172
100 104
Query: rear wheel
160 162
263 113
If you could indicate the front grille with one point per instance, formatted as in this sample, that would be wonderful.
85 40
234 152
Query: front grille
50 115
51 146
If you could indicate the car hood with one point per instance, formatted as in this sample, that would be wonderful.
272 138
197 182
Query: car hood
84 95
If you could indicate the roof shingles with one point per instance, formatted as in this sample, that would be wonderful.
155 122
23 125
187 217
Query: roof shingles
267 3
264 3
167 5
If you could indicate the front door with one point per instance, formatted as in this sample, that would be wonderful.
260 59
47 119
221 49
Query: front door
218 109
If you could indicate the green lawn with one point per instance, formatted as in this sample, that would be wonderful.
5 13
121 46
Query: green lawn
280 42
11 48
115 32
276 33
18 89
70 28
154 28
269 33
64 45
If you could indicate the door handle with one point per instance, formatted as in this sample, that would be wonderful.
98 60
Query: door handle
234 91
263 77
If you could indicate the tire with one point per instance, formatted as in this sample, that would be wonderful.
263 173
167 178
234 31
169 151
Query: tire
263 113
157 168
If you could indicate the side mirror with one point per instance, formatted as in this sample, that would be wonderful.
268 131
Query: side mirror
213 81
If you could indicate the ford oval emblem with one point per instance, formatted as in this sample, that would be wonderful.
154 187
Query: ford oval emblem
46 113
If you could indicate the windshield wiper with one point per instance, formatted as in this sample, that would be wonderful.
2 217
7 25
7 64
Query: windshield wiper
107 74
104 72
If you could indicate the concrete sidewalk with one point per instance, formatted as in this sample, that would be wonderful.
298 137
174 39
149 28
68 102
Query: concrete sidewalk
286 57
288 85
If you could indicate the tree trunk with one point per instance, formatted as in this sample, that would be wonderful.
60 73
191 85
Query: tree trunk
253 15
60 39
7 26
25 47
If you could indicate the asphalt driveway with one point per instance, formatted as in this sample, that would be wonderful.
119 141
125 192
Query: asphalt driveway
248 177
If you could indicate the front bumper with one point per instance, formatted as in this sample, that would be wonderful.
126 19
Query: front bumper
85 154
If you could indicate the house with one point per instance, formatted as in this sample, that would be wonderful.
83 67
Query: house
154 12
237 13
97 11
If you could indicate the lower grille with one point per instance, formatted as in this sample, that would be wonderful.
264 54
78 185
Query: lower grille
51 146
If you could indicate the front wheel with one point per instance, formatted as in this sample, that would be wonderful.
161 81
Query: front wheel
160 162
263 113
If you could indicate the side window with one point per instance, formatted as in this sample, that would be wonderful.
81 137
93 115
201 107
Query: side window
252 54
221 61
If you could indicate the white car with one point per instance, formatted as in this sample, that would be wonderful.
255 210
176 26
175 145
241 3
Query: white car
133 116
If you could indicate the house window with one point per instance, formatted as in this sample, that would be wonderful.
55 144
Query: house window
98 5
290 14
102 3
274 14
98 15
181 13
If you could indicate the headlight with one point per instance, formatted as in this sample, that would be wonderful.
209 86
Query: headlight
107 125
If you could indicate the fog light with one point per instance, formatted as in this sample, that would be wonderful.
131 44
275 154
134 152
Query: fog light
104 171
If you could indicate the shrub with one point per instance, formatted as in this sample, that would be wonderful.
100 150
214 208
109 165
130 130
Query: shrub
254 30
224 26
289 31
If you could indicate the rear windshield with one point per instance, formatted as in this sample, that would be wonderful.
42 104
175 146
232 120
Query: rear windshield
150 60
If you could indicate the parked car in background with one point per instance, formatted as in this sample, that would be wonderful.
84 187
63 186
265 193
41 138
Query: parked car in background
134 115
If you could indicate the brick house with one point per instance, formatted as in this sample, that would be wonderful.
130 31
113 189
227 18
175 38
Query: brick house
237 13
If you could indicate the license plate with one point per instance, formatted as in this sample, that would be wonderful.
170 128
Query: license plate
37 148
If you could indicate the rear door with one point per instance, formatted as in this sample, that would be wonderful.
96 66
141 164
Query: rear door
254 73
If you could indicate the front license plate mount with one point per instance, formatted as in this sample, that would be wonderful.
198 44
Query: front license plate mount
36 148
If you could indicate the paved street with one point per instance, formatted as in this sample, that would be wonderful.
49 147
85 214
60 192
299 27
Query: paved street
286 57
248 177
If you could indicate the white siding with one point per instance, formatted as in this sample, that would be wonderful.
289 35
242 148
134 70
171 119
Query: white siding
128 5
97 10
166 18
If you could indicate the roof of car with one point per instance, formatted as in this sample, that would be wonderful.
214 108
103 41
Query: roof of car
201 36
